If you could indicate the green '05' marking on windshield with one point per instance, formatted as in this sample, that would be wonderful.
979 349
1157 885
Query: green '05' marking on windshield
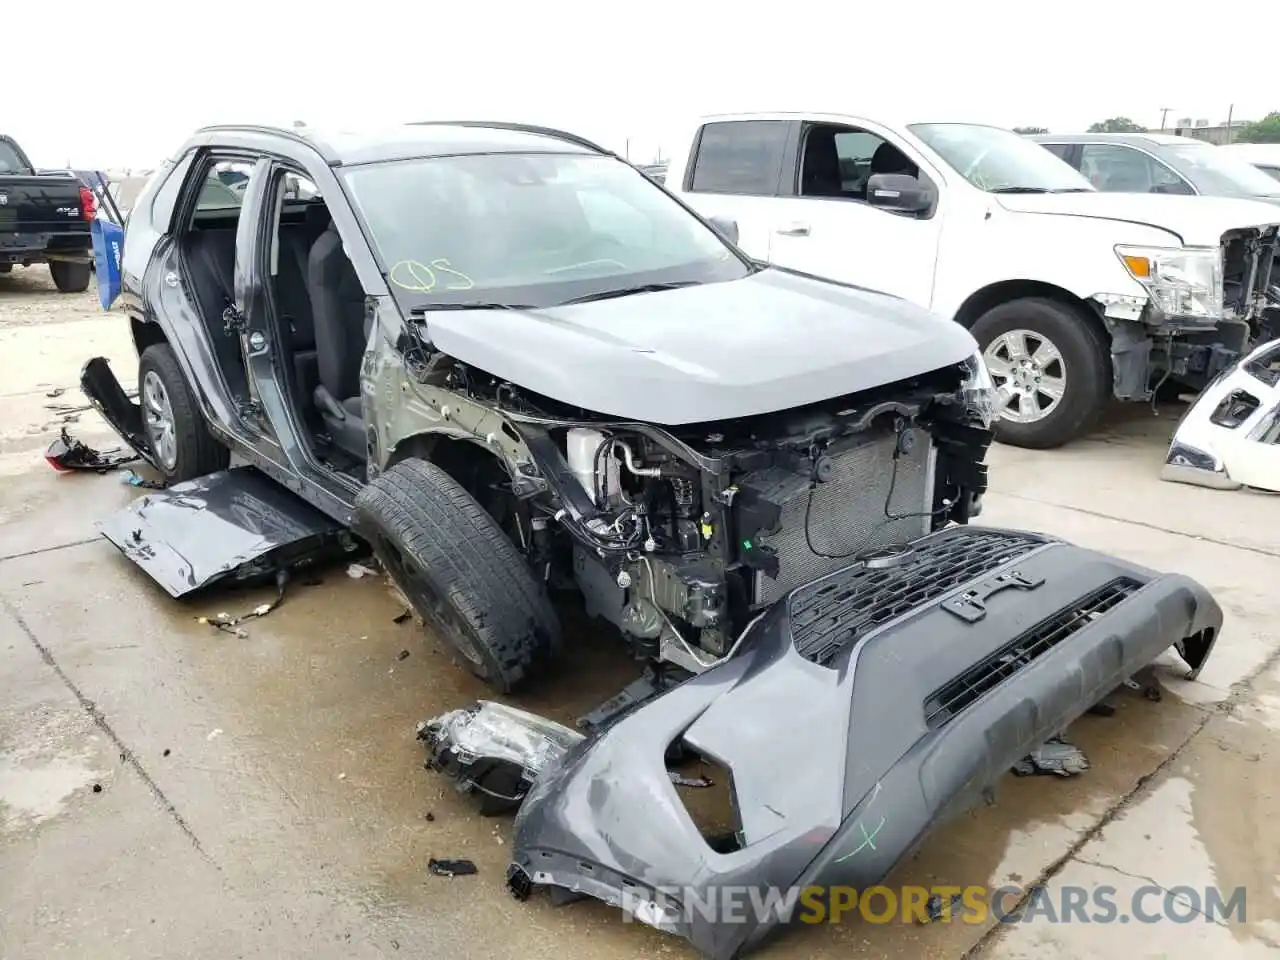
420 278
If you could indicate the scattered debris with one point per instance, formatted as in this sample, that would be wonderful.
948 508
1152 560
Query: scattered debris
430 817
56 392
67 453
357 570
451 868
214 734
229 624
1055 757
682 781
402 617
167 751
937 906
97 788
494 750
403 655
133 480
342 776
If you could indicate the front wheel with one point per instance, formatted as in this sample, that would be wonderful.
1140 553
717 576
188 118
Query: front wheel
1052 367
176 430
460 571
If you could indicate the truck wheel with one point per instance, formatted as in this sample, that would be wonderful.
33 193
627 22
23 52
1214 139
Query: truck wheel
459 571
69 277
1053 367
175 427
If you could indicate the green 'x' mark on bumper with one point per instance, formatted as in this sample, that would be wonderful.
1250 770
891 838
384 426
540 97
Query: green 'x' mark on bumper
868 840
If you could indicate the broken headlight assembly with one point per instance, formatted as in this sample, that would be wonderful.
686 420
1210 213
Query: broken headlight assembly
1182 282
978 391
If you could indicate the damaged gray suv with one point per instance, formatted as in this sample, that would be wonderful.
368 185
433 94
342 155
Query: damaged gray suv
519 369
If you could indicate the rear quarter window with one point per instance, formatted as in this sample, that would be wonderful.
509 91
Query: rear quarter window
10 160
739 156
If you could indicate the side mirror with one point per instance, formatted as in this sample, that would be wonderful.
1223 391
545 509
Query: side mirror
899 193
726 227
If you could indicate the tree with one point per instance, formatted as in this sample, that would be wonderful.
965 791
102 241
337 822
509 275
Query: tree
1266 130
1117 125
1030 130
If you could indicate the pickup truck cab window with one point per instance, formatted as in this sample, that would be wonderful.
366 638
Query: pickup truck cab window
999 161
10 160
740 157
1116 167
837 161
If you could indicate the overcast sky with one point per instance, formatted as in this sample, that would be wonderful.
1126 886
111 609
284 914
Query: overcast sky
122 82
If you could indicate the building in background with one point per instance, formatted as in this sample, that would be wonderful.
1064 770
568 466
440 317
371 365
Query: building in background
1219 133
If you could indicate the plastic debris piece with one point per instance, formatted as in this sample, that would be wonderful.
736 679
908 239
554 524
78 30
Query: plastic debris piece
402 617
133 480
1055 757
937 907
403 655
451 868
67 454
494 750
214 734
357 570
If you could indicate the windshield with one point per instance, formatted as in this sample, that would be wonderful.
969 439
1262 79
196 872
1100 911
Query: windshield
1219 174
529 229
1000 161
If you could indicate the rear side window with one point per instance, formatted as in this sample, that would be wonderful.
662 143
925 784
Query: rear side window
10 161
166 195
1059 150
740 156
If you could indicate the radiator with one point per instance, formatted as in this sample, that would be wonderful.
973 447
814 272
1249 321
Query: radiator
847 514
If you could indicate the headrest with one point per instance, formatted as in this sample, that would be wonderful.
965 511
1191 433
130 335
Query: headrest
318 217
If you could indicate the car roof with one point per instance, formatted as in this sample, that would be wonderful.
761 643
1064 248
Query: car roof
1133 139
414 140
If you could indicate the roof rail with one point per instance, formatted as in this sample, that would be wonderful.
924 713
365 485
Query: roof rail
520 128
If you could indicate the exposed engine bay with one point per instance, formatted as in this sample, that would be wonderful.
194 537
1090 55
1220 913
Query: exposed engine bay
679 536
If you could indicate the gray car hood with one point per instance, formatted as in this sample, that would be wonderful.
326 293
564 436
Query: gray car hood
771 341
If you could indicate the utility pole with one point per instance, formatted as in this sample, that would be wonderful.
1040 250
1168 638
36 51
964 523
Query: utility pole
1231 109
626 150
1164 112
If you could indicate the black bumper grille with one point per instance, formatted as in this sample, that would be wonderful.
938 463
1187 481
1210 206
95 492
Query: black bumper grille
835 612
1020 652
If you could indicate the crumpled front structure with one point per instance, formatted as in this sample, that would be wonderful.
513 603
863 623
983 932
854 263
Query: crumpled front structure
1230 437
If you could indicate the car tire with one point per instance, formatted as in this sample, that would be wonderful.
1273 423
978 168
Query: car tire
6 267
1077 352
166 397
69 277
460 571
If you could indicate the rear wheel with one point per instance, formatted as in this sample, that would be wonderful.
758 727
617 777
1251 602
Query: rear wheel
1052 367
184 447
69 277
460 572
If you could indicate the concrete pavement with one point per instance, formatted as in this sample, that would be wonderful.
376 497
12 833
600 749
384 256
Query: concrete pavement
167 790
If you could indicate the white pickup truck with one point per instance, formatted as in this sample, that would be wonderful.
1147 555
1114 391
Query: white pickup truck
1073 295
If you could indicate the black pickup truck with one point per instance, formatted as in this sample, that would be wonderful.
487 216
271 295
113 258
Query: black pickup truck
44 218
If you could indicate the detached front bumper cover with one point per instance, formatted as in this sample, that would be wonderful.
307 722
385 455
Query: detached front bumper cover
863 710
1230 437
